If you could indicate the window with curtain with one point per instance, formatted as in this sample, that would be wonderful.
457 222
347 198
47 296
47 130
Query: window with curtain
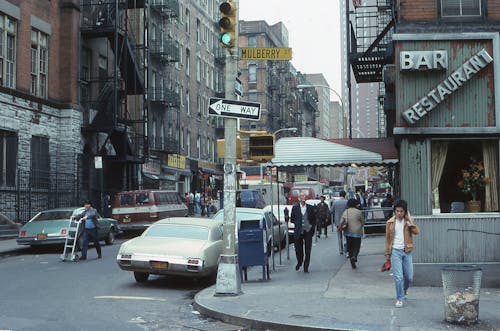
252 73
450 159
8 39
40 162
8 158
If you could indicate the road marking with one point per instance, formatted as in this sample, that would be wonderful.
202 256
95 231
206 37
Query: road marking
128 298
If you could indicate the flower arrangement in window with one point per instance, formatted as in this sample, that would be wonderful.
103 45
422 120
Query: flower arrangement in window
473 178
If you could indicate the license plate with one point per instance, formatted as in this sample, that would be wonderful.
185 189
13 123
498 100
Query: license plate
41 236
159 265
127 220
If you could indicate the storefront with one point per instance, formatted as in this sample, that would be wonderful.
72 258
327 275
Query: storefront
447 102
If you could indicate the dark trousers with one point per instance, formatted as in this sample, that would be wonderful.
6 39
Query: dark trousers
90 235
303 245
353 245
321 225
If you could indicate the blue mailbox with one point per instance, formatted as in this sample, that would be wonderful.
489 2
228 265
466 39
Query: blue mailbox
252 247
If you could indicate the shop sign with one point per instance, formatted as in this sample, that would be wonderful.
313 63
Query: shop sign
423 60
452 83
176 161
152 167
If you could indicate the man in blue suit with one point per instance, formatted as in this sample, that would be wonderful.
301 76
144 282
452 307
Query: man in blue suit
304 218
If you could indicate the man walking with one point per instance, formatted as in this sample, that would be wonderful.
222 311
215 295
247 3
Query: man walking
304 218
322 210
338 208
89 217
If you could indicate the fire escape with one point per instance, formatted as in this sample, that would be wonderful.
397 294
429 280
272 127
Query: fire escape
163 92
114 101
371 46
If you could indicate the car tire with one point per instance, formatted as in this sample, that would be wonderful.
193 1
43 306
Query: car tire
141 277
110 239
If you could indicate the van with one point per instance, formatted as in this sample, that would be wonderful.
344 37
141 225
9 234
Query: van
250 199
137 210
293 195
270 192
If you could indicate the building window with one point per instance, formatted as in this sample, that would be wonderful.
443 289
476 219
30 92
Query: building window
198 104
188 62
8 158
188 143
40 162
8 35
198 146
449 160
198 31
85 76
39 63
460 8
252 41
187 21
252 73
198 69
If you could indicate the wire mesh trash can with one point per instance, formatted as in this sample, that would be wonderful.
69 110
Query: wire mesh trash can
461 287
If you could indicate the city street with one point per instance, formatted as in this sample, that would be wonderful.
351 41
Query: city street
39 292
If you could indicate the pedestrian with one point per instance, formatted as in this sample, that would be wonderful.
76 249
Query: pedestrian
399 231
89 217
107 208
352 223
322 211
338 208
304 219
387 205
191 203
197 203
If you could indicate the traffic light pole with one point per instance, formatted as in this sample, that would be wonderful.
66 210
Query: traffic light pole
228 275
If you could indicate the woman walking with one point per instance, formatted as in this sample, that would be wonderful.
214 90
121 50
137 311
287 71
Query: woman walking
399 230
352 223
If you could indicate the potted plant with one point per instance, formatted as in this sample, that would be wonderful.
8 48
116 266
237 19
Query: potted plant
473 180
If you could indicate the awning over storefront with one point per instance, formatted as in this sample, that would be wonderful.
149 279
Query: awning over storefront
314 152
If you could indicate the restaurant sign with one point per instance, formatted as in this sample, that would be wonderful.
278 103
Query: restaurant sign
454 81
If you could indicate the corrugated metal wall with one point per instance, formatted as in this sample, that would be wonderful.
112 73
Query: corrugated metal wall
457 239
472 105
415 175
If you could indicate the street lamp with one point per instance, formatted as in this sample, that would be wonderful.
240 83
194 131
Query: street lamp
302 86
285 129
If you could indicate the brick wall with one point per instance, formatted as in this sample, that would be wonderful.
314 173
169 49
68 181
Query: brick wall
418 10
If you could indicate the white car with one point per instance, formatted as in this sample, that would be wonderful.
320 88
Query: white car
281 217
185 246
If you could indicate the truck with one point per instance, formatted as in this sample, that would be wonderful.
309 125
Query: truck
316 186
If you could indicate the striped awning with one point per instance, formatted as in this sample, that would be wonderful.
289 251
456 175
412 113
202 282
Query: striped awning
314 152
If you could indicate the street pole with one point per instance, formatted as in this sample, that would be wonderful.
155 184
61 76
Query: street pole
228 275
348 63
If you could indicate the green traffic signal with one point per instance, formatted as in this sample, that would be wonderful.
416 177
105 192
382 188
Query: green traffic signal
227 23
226 38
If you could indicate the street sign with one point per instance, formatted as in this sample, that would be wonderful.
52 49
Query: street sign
255 53
234 108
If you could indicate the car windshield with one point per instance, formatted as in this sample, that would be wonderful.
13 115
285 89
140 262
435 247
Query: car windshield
53 215
177 231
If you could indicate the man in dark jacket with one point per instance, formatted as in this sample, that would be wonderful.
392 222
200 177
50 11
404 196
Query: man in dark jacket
322 210
304 218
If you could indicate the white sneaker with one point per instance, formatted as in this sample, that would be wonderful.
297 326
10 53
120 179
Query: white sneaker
399 304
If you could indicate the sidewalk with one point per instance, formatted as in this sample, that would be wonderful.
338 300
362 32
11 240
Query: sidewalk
335 297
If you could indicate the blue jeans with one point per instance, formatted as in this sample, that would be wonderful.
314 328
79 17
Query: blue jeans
402 271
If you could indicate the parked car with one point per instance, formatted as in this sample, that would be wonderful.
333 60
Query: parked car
182 246
281 217
136 210
51 227
251 214
250 198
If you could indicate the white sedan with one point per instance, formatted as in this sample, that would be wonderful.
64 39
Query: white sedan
185 246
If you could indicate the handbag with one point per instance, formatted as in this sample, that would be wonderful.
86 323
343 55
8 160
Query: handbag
386 266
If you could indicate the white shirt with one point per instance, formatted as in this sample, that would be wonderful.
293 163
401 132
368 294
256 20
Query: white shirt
399 238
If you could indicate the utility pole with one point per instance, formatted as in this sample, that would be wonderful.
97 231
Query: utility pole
228 276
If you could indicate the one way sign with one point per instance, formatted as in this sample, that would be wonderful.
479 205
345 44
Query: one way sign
234 108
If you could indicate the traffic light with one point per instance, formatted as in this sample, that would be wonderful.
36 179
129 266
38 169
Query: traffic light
261 147
221 147
227 24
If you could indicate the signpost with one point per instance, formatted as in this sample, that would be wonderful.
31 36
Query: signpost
234 108
275 54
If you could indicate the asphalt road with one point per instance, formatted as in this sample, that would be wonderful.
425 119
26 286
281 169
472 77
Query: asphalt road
40 292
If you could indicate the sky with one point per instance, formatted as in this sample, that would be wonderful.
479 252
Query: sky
313 31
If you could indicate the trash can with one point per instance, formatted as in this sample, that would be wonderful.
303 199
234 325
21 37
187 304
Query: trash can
252 247
461 288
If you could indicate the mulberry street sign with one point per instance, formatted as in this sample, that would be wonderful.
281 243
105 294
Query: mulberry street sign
234 108
276 54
